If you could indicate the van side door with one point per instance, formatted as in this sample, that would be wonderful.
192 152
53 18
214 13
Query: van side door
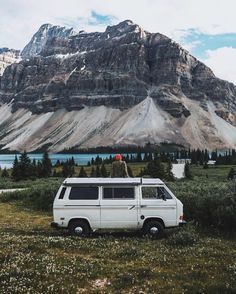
119 207
83 202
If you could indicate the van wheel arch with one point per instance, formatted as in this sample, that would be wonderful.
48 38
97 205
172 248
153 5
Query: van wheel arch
153 219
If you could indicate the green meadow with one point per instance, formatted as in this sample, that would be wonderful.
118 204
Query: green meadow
199 258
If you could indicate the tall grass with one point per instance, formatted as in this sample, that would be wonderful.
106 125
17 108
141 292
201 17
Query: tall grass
208 203
39 197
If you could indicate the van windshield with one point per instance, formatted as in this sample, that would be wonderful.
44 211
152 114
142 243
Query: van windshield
155 193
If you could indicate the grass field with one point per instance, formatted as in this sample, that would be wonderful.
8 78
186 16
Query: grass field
36 259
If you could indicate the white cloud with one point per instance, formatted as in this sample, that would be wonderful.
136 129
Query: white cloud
223 62
192 45
19 19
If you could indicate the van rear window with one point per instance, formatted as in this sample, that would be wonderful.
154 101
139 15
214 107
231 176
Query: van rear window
83 193
62 194
118 193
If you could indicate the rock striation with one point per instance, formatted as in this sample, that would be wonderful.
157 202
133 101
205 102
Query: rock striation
119 69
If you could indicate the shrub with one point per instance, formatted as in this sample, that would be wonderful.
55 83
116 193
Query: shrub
186 236
209 205
39 197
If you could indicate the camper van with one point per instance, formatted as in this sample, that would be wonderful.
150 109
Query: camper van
84 205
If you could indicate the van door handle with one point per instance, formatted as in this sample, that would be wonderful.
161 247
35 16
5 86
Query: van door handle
142 206
132 207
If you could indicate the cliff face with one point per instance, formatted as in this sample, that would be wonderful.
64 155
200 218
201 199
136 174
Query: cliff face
121 69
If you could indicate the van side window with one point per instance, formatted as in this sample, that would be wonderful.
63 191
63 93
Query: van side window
118 193
165 192
83 193
155 193
62 194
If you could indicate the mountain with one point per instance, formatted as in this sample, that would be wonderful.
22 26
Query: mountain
124 86
7 57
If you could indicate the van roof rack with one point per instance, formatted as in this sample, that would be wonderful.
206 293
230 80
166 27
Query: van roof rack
111 181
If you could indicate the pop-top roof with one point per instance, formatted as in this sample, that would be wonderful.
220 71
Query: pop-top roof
112 181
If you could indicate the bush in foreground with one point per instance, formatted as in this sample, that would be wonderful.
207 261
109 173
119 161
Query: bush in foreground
209 204
39 197
186 236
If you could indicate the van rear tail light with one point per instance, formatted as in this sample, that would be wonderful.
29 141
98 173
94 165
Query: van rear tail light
181 217
62 218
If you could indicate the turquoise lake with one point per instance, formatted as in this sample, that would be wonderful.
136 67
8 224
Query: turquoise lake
6 160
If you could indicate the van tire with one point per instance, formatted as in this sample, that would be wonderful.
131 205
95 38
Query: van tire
153 229
79 228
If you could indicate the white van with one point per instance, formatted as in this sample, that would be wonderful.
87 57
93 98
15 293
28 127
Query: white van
84 205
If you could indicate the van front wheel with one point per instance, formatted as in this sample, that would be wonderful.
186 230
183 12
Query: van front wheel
79 228
153 229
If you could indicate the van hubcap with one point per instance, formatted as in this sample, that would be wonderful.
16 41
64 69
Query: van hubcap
78 230
154 230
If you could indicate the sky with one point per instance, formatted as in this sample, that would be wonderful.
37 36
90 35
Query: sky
206 28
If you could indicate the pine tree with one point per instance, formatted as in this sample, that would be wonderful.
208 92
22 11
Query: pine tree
82 173
139 157
231 174
145 158
65 170
156 169
98 172
187 171
24 166
150 157
39 169
169 174
5 173
72 161
46 165
16 170
93 173
104 172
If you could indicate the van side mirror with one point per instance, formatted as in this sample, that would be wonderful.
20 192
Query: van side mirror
163 196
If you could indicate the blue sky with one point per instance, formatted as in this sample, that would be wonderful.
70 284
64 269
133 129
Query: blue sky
207 28
199 43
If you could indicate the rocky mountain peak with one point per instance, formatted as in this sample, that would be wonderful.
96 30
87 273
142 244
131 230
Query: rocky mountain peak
123 27
40 38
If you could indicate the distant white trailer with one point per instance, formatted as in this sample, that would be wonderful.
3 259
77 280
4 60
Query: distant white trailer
83 205
211 162
178 170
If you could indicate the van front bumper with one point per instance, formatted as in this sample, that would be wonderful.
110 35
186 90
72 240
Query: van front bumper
54 225
182 223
